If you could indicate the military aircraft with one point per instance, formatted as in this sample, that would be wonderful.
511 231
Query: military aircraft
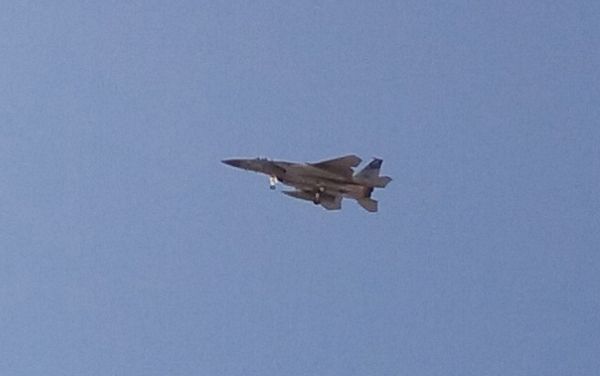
324 183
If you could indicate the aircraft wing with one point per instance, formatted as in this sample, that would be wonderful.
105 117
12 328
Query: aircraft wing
341 166
329 202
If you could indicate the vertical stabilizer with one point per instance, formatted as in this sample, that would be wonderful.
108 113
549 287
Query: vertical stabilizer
370 171
370 174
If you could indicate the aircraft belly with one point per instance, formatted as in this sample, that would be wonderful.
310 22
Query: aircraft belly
310 172
332 188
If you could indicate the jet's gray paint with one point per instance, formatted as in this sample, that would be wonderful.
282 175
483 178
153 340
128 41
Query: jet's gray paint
324 183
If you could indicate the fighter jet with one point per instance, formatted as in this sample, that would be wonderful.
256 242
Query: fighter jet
324 183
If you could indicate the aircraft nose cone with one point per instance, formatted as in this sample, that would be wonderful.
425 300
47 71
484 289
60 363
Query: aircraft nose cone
233 162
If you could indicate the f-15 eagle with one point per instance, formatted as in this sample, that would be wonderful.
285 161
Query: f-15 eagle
324 183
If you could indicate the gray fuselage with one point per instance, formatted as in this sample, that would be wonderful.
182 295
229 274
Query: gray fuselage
306 177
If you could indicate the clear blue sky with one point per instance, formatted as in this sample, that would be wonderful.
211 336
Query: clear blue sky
127 248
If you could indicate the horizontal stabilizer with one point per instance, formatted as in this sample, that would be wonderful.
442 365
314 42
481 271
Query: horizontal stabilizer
382 181
368 204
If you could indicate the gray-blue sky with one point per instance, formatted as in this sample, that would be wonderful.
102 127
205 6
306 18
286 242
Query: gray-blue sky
128 249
